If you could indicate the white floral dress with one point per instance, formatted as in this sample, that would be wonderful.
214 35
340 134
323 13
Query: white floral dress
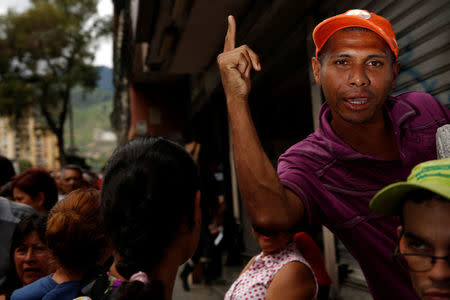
254 282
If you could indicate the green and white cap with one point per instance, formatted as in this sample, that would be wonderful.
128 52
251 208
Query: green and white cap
433 175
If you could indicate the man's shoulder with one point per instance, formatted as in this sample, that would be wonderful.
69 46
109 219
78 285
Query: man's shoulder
419 102
414 96
418 110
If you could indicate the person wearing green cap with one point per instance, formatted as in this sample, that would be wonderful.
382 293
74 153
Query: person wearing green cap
423 204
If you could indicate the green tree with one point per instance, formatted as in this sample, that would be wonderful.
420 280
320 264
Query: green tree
24 164
45 52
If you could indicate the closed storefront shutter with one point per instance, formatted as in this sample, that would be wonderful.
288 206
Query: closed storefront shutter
422 29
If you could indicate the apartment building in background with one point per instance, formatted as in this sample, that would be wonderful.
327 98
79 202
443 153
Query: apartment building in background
29 139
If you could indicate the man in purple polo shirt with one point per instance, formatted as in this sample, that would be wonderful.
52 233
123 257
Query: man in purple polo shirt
366 140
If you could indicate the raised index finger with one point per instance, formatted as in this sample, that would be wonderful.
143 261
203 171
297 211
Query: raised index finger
230 38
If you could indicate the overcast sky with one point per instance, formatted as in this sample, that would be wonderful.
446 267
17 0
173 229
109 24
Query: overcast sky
103 56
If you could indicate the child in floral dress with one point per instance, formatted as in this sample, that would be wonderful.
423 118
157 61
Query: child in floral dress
278 272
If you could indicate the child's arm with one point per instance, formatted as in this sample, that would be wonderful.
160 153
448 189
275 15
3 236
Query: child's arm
293 281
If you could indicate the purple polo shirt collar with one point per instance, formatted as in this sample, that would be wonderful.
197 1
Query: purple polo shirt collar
398 114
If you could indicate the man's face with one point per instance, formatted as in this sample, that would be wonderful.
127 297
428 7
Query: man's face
71 180
427 231
356 74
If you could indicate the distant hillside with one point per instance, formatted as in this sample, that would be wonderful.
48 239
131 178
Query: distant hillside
106 79
103 92
80 97
91 119
90 122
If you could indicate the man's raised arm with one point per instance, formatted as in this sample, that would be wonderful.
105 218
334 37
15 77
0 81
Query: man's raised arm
271 207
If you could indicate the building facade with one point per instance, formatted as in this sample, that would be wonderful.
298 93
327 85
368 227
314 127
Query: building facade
30 140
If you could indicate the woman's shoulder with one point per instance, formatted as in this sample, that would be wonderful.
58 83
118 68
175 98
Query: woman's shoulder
35 290
65 290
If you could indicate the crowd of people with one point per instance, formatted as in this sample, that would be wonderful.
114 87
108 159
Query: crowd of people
370 173
126 241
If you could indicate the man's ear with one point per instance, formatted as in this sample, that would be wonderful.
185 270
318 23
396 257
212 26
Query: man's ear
316 69
399 231
395 70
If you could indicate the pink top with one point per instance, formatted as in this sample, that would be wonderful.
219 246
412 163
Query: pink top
254 282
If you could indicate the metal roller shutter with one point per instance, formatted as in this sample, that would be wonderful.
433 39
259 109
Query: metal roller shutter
422 29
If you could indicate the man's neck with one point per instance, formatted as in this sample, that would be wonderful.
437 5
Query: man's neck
372 138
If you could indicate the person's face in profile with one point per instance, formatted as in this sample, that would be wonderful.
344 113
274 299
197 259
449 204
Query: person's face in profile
427 234
36 202
31 259
71 180
22 197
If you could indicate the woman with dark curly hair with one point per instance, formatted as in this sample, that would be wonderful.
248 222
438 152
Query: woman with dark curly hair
29 255
151 207
36 188
76 239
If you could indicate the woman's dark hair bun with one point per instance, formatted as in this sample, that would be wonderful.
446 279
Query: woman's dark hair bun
126 268
153 290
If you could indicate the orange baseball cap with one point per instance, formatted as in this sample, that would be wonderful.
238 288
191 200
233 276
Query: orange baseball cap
355 18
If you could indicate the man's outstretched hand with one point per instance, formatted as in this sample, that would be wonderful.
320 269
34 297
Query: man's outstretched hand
235 65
